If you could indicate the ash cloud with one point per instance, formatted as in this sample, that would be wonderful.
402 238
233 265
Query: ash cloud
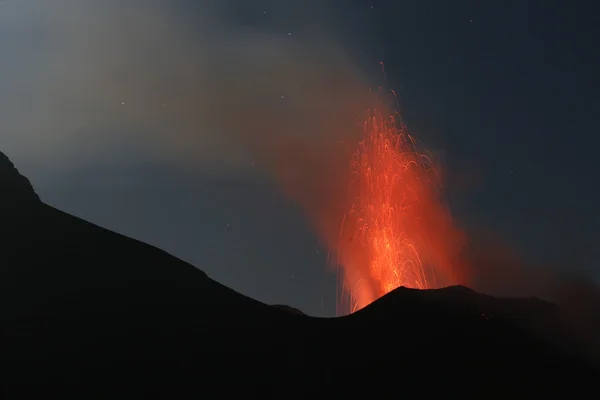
210 85
493 266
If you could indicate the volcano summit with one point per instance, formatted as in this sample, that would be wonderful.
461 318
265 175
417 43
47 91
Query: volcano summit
88 310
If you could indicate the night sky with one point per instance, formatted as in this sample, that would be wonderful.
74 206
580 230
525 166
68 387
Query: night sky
137 117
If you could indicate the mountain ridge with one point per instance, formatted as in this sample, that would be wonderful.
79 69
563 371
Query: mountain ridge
84 307
13 185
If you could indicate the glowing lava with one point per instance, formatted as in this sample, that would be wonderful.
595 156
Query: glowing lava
398 231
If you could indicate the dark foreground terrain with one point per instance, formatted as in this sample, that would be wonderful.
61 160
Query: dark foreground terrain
86 311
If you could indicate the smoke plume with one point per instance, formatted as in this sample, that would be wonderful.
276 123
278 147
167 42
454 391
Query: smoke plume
210 85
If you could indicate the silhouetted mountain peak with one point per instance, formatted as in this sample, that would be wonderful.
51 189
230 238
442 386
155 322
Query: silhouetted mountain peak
96 309
13 185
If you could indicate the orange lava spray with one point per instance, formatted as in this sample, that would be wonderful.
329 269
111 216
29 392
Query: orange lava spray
397 231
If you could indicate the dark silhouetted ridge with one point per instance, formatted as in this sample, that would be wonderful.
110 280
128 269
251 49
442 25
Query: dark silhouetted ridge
14 186
88 310
289 309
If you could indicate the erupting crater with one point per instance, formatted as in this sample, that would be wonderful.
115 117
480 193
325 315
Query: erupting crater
397 230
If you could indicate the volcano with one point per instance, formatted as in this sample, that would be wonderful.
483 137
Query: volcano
90 311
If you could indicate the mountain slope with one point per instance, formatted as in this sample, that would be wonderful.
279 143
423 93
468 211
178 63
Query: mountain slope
83 308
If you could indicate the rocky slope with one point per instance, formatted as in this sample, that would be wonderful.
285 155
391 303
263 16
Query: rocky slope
88 310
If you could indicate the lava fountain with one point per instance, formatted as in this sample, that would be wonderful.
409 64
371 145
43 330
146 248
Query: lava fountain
398 230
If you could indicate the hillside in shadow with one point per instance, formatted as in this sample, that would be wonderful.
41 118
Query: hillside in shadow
87 310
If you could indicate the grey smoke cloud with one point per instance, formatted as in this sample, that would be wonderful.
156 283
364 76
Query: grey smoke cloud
85 82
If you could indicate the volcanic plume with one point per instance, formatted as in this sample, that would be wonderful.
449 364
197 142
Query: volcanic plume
375 200
397 230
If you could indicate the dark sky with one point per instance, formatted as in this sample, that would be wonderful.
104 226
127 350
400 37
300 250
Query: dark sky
504 92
